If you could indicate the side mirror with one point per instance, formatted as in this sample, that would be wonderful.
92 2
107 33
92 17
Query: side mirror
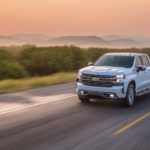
141 68
90 64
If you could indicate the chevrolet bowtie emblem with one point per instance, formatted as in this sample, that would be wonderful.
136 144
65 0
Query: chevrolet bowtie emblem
95 79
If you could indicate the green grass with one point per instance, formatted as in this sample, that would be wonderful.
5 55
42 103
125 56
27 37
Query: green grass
28 83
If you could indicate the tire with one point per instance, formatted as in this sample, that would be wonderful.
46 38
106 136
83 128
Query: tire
83 99
130 95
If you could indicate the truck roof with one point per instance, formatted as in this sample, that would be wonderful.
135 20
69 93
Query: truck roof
126 54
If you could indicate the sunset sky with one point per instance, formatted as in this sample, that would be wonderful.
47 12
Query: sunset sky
75 17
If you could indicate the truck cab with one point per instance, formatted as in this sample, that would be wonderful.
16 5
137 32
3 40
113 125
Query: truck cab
115 76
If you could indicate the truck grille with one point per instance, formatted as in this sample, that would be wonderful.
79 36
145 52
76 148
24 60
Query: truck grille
98 80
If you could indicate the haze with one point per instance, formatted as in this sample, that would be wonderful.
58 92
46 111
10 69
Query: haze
75 17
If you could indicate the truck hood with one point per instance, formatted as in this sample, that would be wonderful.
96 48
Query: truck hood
106 70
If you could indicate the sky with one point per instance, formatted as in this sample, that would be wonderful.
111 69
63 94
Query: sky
75 17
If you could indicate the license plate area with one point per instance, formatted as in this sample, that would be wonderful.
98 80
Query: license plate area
94 93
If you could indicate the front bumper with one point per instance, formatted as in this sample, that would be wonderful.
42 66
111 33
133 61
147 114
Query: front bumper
115 92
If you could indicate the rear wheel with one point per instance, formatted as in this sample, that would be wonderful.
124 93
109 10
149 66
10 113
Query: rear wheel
130 96
83 99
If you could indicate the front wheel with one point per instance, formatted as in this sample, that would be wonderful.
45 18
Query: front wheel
130 96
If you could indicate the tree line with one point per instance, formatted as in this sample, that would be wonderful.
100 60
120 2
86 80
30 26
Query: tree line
40 61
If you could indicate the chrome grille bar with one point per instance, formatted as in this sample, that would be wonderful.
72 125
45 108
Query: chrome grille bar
98 80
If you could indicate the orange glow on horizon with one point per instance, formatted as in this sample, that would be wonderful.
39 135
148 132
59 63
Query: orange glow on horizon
75 17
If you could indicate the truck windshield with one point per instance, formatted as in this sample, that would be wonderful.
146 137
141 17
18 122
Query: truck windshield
115 61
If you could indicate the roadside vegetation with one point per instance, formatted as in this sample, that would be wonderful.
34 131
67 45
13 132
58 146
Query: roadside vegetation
29 66
12 85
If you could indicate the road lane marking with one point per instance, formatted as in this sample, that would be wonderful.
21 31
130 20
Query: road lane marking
131 124
37 104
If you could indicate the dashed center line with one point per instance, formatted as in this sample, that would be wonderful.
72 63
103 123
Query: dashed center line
131 124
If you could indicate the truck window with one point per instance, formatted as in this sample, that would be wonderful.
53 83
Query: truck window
115 61
138 61
145 61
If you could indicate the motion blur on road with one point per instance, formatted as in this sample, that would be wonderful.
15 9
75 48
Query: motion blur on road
52 118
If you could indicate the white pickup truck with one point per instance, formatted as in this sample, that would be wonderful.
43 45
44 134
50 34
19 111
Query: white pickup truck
117 76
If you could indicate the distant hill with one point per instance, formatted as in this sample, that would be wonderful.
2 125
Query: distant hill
144 41
79 40
127 41
31 37
124 42
110 41
5 38
20 39
113 37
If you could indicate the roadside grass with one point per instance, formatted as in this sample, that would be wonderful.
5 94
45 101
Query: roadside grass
13 85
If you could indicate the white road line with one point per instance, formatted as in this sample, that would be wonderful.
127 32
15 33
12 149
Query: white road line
37 104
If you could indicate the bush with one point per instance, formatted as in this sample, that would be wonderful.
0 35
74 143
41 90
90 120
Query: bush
10 69
45 61
39 61
5 55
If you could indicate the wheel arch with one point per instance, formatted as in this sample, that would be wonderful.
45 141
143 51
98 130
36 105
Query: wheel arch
133 83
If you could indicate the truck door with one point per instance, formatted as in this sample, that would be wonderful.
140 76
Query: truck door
141 76
146 63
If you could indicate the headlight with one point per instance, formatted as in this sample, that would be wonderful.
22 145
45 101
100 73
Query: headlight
120 77
79 76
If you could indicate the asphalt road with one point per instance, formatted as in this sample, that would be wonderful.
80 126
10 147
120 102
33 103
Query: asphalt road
52 118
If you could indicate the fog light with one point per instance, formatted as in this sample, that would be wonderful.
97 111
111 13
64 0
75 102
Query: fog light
112 96
118 80
82 92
